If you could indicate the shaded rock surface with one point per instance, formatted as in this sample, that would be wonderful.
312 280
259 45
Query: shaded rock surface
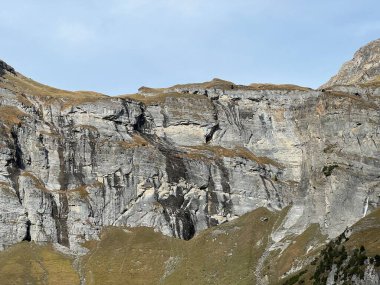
183 159
4 67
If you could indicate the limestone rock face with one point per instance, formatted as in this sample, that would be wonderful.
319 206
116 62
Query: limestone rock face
364 67
183 159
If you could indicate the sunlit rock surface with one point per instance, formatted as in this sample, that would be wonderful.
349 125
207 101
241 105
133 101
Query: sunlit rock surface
184 158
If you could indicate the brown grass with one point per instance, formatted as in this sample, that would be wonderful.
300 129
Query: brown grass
373 83
242 152
366 232
88 127
149 95
226 254
159 98
6 188
149 90
28 263
136 257
228 85
80 190
268 86
11 115
22 85
4 184
137 141
24 101
298 248
215 83
36 181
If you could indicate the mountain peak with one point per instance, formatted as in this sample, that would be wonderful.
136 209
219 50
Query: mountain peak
364 67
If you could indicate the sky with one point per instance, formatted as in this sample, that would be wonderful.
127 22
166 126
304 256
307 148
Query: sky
116 46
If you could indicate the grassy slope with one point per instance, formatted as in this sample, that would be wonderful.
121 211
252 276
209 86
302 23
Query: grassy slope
223 255
22 85
301 248
227 254
28 263
365 232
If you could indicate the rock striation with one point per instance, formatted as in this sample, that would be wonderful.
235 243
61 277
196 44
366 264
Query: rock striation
184 158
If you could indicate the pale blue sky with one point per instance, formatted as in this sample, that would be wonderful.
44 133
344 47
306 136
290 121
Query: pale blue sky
116 46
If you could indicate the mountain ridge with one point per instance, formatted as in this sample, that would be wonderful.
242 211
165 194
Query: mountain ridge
184 159
363 68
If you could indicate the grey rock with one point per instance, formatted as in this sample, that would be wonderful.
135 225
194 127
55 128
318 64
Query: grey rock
4 67
185 161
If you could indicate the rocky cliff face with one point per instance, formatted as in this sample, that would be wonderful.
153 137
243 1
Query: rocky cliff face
184 158
363 68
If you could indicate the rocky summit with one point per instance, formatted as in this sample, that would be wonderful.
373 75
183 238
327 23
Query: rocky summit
271 184
363 68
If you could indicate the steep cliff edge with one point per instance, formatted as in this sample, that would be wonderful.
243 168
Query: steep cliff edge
184 158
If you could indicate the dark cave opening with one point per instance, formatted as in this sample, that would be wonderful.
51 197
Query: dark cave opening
27 235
